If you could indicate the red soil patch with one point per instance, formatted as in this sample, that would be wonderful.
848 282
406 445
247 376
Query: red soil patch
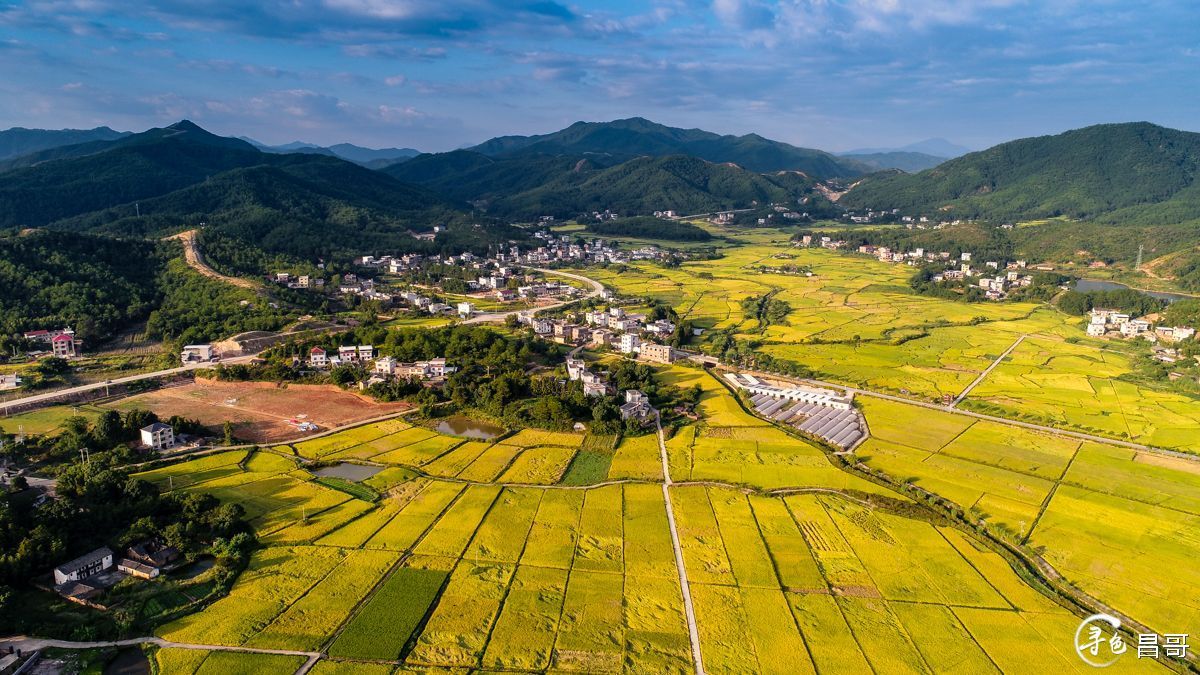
260 410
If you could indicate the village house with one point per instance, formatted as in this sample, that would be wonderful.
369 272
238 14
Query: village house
575 368
147 559
196 354
657 353
84 566
63 346
629 343
593 384
9 381
385 365
158 436
466 310
601 338
318 358
636 406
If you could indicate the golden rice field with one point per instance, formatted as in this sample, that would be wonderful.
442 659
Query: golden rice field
1119 523
507 555
1073 386
440 575
856 322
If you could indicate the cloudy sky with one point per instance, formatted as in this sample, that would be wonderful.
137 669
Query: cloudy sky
439 74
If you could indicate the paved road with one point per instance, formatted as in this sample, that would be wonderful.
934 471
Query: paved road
28 644
492 317
689 610
59 393
987 372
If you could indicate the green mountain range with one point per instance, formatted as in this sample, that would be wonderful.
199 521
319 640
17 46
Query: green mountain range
1135 173
527 186
626 139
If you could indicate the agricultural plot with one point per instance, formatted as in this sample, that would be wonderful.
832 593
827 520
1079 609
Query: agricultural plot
47 420
1073 386
1116 522
484 576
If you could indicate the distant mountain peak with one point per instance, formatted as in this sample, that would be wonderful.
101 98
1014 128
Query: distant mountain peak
186 125
632 137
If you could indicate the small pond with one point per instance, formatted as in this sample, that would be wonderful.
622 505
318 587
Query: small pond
1084 285
202 564
129 661
354 472
468 428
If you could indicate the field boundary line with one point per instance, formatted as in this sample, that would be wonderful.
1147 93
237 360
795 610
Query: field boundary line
684 587
988 371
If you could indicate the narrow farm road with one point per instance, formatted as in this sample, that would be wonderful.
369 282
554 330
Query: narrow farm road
987 371
689 609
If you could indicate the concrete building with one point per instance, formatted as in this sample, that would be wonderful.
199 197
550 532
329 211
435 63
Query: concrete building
657 353
318 358
196 354
84 566
629 343
158 436
636 406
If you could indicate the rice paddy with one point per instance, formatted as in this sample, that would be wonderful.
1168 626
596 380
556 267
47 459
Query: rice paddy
551 552
442 574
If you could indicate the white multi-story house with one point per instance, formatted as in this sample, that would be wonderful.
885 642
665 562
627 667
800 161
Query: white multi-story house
158 436
318 358
629 343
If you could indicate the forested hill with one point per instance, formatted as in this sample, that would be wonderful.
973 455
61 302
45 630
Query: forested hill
621 140
1135 173
528 186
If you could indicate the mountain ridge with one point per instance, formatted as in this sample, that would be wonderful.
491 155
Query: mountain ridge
633 137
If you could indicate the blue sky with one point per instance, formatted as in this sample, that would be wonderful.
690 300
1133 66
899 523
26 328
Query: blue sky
439 74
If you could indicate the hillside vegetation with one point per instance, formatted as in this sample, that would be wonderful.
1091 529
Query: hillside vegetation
1137 174
635 137
530 186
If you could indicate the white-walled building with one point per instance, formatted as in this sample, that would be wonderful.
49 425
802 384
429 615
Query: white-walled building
158 436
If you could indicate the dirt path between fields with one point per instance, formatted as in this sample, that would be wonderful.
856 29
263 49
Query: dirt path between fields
693 634
191 253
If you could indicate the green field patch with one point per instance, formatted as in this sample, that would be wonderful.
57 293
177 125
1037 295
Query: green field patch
384 625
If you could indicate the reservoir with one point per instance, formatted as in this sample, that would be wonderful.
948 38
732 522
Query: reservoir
468 428
347 471
1085 285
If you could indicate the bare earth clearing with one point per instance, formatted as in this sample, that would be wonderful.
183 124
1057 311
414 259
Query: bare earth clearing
260 410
